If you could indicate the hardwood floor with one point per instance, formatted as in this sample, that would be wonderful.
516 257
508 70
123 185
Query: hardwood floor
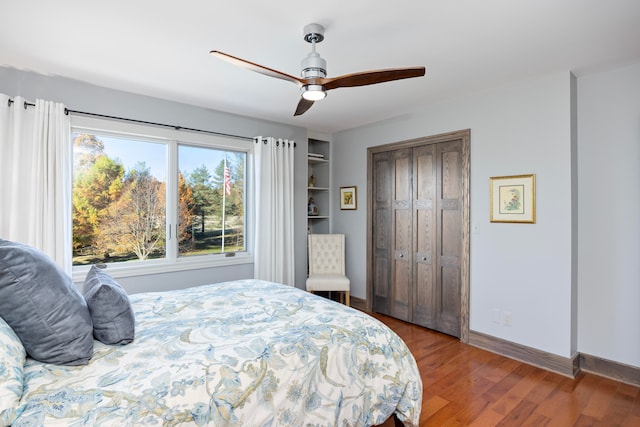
467 386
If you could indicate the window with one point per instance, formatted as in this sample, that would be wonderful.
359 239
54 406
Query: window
210 200
144 195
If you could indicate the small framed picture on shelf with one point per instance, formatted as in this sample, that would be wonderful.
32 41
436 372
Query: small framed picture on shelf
513 198
348 198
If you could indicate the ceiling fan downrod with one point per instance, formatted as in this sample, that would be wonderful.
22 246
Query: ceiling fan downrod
313 65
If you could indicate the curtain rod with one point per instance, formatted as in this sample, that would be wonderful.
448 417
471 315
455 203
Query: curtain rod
68 111
26 103
104 116
265 140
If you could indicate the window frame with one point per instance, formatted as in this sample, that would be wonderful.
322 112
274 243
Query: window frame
172 138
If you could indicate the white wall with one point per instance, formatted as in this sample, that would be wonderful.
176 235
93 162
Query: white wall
81 96
609 215
524 269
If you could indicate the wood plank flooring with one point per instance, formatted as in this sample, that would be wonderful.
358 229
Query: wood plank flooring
467 386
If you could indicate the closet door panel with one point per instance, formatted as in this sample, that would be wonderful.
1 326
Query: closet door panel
402 265
381 265
424 289
451 174
381 280
451 228
448 320
382 236
402 229
449 242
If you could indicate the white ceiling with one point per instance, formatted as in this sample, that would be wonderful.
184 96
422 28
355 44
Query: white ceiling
161 48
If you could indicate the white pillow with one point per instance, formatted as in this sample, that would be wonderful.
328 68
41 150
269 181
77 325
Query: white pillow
12 358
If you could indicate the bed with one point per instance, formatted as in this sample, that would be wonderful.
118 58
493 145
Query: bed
241 353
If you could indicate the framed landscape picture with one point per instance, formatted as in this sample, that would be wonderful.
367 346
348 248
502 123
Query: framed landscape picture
513 198
348 198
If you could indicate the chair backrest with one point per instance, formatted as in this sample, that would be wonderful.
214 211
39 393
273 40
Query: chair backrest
326 254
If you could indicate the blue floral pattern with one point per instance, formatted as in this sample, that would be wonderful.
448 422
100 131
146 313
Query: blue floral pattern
12 358
243 353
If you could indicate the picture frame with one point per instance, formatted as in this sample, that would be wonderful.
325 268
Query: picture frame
348 198
513 198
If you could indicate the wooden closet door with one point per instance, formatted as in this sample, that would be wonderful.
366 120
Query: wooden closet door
449 237
418 232
417 235
382 165
425 236
393 234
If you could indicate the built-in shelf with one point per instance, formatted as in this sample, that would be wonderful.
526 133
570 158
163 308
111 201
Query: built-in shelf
315 161
318 163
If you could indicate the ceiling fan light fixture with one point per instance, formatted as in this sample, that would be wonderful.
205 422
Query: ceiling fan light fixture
313 92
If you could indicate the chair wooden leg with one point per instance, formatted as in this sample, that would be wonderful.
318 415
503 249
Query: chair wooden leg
347 297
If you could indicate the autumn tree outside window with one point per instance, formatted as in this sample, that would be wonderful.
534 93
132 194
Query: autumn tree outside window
139 198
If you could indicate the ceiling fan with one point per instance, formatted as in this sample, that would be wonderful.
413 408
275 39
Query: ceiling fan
314 83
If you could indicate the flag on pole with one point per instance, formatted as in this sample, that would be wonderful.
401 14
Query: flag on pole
227 191
227 180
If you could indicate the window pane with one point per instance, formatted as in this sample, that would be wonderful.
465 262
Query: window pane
119 192
211 201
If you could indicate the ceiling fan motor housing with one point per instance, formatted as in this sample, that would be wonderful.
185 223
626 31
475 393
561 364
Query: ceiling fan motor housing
314 66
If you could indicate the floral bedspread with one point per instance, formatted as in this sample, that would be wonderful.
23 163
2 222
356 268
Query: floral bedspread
243 353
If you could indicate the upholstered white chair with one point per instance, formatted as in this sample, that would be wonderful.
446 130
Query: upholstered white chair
326 265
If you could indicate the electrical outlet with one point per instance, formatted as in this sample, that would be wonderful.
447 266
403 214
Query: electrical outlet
507 318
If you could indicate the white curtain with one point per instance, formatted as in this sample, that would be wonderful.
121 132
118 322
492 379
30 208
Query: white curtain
274 254
35 176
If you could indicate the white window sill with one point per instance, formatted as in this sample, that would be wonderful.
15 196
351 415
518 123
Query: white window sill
141 268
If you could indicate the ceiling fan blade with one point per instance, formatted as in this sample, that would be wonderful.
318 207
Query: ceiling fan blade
371 77
303 106
257 68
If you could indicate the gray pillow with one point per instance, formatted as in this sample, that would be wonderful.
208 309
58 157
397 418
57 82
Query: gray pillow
111 312
43 306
